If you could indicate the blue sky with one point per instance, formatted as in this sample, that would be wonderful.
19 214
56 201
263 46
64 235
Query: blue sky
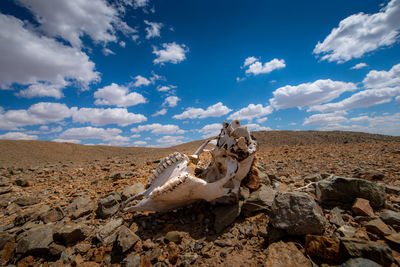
159 73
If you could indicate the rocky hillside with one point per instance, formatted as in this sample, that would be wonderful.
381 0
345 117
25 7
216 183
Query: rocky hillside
323 199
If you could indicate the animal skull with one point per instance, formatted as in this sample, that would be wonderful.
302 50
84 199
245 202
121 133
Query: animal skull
174 184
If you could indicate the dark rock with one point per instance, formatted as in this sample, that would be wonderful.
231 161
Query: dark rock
108 205
36 240
315 177
282 254
126 238
347 231
132 190
4 181
121 175
378 227
361 207
261 199
4 239
335 217
375 251
340 190
174 236
323 247
27 201
108 233
360 262
80 207
226 215
23 182
71 233
56 249
297 213
52 215
390 217
390 189
370 175
132 260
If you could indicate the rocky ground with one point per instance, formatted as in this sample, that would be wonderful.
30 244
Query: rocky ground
324 199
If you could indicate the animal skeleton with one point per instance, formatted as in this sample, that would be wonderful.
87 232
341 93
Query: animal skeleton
174 184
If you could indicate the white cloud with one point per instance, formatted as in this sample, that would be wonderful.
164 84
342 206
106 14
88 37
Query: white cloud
140 3
361 33
210 130
100 116
216 110
160 112
17 136
251 112
73 19
256 127
153 30
122 43
157 128
106 51
308 94
165 88
39 113
172 52
256 67
261 120
73 141
85 133
171 101
43 64
381 86
135 135
117 95
397 99
140 80
326 118
170 140
139 143
359 66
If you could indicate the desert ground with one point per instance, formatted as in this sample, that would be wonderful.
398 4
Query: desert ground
61 205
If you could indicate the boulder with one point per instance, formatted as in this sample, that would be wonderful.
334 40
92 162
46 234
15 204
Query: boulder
108 205
390 217
261 199
341 190
27 201
225 215
52 215
71 233
80 207
297 213
108 232
126 238
36 240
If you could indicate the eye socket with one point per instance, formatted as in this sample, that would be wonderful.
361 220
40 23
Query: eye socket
224 156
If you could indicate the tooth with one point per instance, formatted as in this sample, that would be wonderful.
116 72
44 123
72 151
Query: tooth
169 162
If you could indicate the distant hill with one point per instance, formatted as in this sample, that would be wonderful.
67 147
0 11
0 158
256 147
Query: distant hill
32 153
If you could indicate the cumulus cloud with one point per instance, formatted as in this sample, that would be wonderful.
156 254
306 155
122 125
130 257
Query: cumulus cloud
17 136
157 128
140 3
171 52
160 112
251 112
382 87
39 113
308 94
117 95
42 64
255 67
326 118
168 140
165 88
171 101
106 51
361 33
139 143
216 110
140 80
210 130
101 116
257 127
73 19
153 30
93 133
60 140
359 66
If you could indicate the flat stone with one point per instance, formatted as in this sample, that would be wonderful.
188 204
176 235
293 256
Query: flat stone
361 207
297 213
360 262
36 240
80 207
132 190
226 215
132 260
378 227
108 205
52 215
394 238
375 251
335 217
174 236
107 233
314 177
390 217
282 254
340 190
347 231
27 201
323 247
82 248
259 200
390 189
71 233
126 238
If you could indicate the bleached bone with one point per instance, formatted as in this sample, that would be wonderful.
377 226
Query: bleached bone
173 183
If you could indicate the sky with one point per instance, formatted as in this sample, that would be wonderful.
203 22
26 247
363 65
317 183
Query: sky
159 73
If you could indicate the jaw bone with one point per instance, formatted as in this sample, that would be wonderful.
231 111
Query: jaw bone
173 183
